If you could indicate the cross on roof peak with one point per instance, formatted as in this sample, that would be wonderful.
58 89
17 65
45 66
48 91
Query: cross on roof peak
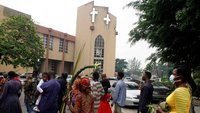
93 13
107 19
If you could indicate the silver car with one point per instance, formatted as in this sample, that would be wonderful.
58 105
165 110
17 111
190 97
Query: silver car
132 93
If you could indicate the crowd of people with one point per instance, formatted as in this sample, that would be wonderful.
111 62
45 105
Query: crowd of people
47 94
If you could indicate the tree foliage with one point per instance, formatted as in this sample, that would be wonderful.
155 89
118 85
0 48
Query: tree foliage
120 65
172 26
134 66
19 42
159 69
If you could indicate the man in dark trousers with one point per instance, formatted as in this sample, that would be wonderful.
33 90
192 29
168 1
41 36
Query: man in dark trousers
63 87
146 93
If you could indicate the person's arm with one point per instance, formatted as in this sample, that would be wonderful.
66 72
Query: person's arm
109 84
100 89
77 106
4 93
116 93
144 96
94 90
92 105
38 86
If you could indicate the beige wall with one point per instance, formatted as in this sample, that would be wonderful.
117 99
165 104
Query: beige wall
6 12
86 36
1 13
53 54
69 56
20 70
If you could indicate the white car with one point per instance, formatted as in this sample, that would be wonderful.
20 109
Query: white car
22 78
132 93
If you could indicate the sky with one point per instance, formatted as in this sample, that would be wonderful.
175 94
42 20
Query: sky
61 15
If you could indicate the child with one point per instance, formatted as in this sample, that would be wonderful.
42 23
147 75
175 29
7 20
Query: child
45 77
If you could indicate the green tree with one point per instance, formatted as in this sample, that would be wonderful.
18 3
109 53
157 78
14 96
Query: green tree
172 26
120 65
159 69
134 67
19 42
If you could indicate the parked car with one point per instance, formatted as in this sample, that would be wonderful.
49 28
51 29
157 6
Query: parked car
22 78
127 79
69 77
132 93
27 74
160 92
112 80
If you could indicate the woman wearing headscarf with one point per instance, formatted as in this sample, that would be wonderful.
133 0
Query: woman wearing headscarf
179 101
9 99
75 91
84 101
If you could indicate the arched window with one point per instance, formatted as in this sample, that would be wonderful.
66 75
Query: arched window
99 51
99 47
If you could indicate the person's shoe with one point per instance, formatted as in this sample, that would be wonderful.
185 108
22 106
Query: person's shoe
36 109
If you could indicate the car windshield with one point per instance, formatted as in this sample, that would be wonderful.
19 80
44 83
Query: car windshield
129 86
23 77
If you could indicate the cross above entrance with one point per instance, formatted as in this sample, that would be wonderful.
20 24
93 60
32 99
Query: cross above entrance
93 13
107 19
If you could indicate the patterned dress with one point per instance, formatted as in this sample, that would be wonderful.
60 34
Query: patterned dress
84 103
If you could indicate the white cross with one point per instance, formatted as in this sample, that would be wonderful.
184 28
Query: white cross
93 13
107 19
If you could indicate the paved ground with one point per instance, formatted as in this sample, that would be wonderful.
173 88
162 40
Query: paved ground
125 110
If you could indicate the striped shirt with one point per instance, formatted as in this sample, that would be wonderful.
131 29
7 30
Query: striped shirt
97 92
179 100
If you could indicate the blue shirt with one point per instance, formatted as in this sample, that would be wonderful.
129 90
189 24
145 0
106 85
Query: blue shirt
120 93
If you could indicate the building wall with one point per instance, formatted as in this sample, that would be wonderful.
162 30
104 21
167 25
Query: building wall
86 36
50 55
55 55
7 12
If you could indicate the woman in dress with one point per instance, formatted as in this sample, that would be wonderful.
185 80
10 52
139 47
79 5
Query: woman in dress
179 100
84 101
104 101
9 99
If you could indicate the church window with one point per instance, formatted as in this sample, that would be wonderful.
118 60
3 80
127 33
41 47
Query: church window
99 52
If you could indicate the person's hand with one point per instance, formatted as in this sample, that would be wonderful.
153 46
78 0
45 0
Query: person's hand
64 98
159 110
67 101
111 104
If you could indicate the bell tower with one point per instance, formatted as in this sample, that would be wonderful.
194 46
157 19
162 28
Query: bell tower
96 37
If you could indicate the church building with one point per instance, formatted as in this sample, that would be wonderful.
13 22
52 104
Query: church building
94 42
